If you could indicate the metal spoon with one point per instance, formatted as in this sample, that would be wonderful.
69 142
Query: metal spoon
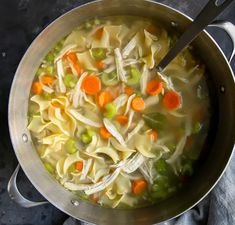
212 9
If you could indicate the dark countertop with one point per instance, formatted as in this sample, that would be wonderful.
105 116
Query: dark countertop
20 22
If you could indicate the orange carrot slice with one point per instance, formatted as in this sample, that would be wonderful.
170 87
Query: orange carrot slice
91 85
100 65
171 100
128 90
153 133
104 133
99 33
154 87
37 88
79 165
72 57
47 80
103 98
122 119
138 104
139 186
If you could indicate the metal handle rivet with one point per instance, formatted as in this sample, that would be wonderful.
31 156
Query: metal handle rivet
75 202
222 89
174 24
24 138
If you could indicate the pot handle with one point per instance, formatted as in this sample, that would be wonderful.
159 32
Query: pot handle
16 196
229 28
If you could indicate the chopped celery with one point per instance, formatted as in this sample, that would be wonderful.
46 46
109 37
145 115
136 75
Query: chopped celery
110 110
159 191
98 53
97 22
58 47
85 138
49 70
49 57
47 96
138 93
162 167
70 80
71 169
172 147
70 146
88 25
134 76
39 71
90 132
187 169
196 128
49 167
82 195
109 79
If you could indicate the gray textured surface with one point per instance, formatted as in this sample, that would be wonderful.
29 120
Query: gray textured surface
20 22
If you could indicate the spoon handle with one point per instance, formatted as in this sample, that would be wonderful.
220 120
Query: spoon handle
205 17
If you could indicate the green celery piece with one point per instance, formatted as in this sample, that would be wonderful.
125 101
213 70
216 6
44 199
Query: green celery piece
134 76
49 167
71 169
90 132
161 166
196 128
47 96
98 53
88 25
85 138
109 79
172 147
39 71
49 70
82 195
187 169
156 121
110 110
70 146
70 80
158 192
49 57
96 21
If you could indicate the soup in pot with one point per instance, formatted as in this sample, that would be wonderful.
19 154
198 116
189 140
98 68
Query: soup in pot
107 125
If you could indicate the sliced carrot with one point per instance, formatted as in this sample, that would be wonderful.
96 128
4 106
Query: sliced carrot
72 57
91 85
56 105
94 198
103 98
47 80
154 87
104 133
78 68
151 29
37 88
100 65
139 186
122 119
171 100
79 165
129 90
153 133
138 104
189 141
99 33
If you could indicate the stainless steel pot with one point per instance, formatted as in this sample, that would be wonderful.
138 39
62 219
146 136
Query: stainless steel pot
211 168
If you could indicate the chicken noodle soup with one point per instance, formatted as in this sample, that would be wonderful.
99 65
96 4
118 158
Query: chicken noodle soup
107 125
